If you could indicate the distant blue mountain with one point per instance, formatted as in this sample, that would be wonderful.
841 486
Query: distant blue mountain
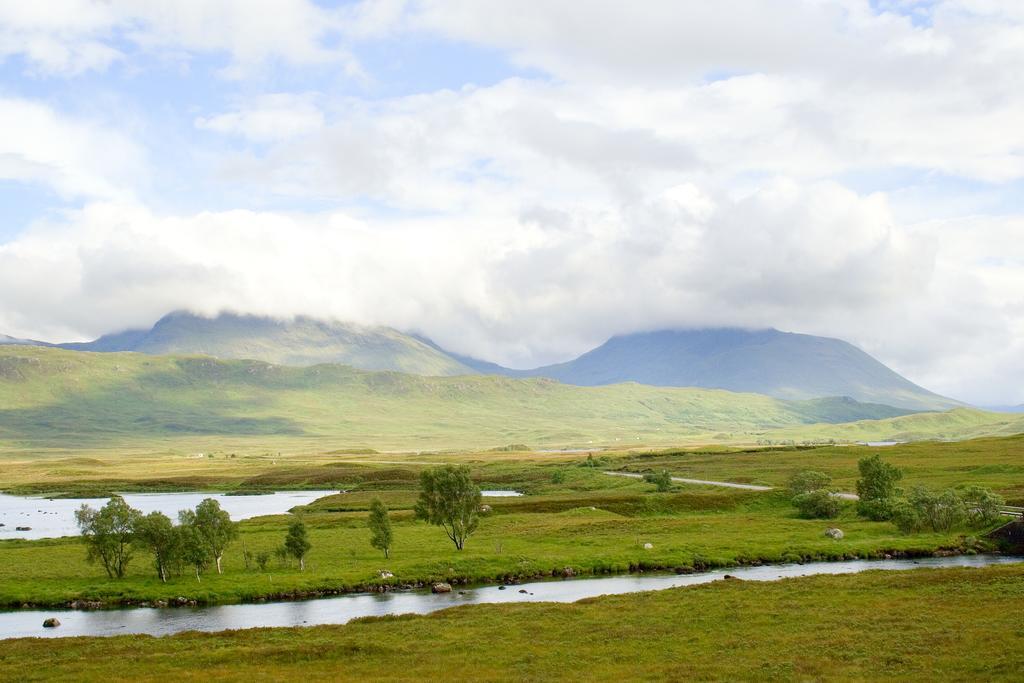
780 364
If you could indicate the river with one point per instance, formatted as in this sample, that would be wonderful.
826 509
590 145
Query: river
341 609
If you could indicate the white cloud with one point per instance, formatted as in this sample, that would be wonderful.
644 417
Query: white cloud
72 36
74 158
683 164
270 118
819 259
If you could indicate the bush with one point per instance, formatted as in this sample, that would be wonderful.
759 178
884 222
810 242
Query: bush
662 480
879 510
820 504
807 481
924 510
983 506
877 488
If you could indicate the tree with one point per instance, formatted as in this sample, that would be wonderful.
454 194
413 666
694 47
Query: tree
983 506
380 527
215 527
924 510
192 546
662 480
297 542
108 534
156 532
818 504
449 499
807 481
877 488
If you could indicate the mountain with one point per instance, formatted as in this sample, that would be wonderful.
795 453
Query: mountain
12 341
57 398
301 341
779 364
1006 409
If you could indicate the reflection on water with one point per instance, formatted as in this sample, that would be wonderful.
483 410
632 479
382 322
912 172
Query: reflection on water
339 610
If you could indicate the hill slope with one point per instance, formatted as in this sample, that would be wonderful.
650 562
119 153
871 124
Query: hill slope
300 342
780 364
62 398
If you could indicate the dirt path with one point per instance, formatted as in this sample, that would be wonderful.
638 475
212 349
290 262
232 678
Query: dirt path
727 484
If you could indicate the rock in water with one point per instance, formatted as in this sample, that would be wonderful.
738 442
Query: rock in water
835 533
52 622
441 587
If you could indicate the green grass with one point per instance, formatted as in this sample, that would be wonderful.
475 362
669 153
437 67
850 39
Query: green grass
948 624
52 398
595 532
580 518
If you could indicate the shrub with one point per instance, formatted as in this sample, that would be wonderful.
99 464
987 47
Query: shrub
877 488
819 504
662 480
807 481
924 510
983 506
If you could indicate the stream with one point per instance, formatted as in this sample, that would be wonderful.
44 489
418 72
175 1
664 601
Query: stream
341 609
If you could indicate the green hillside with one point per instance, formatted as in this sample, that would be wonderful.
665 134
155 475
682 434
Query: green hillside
300 341
53 397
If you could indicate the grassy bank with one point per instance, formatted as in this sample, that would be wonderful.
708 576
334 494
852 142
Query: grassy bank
948 624
596 532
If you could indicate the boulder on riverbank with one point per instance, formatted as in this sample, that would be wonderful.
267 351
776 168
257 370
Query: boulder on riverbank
835 533
52 622
441 587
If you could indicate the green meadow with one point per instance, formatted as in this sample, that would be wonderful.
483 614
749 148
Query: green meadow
930 624
573 515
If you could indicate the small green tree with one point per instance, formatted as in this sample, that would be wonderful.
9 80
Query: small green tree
107 534
877 488
449 499
297 542
156 532
262 558
216 528
380 527
924 510
818 504
983 506
192 546
661 480
807 481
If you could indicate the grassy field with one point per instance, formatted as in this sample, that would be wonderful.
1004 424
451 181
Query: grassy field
55 399
947 624
573 516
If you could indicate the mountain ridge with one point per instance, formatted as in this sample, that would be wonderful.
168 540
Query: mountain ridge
300 341
765 361
779 364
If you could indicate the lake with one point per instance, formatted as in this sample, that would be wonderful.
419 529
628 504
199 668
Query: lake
50 518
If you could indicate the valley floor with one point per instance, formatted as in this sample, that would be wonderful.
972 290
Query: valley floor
944 624
573 515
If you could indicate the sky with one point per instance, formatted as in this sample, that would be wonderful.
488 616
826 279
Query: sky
521 181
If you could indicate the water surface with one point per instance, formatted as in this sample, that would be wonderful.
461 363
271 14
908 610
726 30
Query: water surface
49 518
339 610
